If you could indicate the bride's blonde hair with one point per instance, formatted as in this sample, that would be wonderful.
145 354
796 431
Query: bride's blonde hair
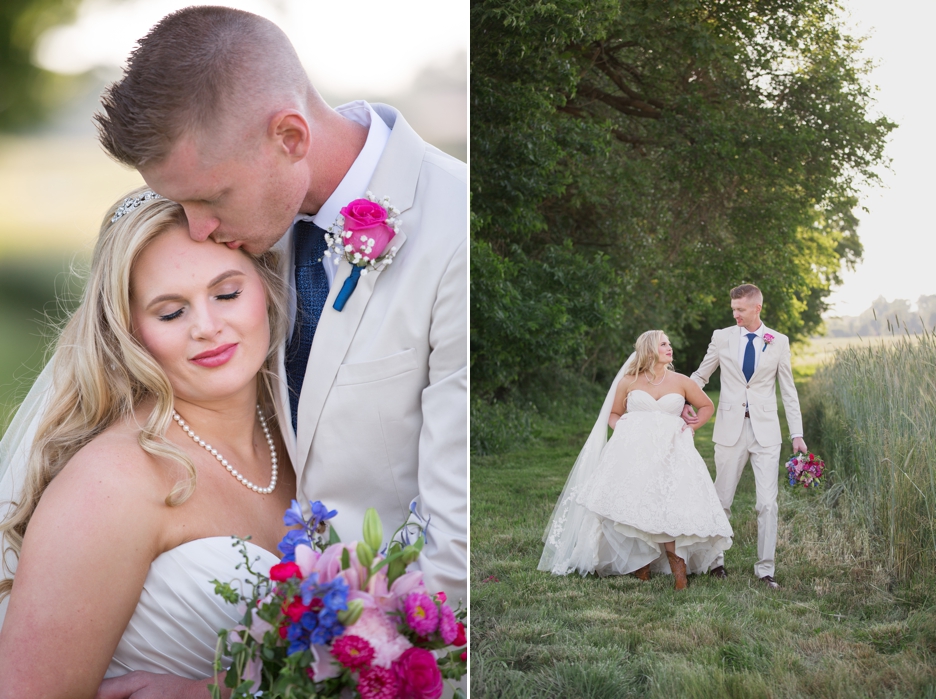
102 372
647 354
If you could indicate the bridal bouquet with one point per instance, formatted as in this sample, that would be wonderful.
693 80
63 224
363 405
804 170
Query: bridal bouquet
805 470
340 620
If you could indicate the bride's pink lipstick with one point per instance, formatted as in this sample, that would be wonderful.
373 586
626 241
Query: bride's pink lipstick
215 357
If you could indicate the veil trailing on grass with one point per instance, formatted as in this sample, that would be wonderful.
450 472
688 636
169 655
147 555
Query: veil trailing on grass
562 552
14 459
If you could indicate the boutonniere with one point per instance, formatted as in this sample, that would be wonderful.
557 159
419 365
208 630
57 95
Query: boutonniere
361 234
768 338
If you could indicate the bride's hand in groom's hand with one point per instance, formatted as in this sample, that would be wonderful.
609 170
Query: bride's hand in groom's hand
147 685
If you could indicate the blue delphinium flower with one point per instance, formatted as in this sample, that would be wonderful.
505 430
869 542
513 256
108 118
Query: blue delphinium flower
289 543
320 513
297 637
423 526
293 516
319 625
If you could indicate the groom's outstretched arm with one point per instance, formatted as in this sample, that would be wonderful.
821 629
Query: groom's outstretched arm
708 366
701 377
443 440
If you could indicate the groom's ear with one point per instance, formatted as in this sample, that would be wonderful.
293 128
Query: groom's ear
290 130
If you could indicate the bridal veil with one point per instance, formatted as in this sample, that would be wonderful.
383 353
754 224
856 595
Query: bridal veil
14 459
567 543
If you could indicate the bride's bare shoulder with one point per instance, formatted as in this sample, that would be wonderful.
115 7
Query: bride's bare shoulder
112 466
627 382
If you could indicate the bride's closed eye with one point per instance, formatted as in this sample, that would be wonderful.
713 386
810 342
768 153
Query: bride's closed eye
171 316
220 297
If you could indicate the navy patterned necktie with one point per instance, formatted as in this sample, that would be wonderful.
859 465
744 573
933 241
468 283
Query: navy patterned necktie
748 366
311 292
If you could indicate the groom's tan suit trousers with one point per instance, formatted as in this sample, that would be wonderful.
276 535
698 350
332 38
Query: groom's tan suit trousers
747 428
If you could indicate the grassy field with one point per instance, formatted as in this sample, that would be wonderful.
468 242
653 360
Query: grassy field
810 355
840 627
874 413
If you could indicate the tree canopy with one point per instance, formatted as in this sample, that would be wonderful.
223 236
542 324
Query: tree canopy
27 92
633 160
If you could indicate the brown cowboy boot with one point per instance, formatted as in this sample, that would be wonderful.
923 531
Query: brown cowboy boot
678 566
642 573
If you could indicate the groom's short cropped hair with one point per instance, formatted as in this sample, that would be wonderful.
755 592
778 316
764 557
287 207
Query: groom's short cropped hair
196 72
747 291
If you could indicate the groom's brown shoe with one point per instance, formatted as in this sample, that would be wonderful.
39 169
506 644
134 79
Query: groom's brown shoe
770 582
718 572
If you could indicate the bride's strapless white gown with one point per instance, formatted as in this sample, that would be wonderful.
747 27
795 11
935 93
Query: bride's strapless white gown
174 629
650 486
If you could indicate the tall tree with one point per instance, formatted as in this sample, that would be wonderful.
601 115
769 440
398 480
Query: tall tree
691 145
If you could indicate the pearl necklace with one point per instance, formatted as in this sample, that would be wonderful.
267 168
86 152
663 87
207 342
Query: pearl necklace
233 471
658 382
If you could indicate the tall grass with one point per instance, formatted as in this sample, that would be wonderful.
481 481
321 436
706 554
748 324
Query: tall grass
872 411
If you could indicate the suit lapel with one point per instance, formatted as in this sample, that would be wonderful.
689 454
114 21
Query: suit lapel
764 359
283 410
395 177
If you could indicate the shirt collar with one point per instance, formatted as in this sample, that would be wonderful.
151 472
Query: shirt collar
354 184
759 332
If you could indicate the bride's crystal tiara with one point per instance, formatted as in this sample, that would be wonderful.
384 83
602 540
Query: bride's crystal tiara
130 203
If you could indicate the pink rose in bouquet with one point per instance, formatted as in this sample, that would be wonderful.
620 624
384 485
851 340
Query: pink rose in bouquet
419 674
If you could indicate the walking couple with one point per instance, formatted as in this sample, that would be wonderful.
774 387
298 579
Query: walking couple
644 501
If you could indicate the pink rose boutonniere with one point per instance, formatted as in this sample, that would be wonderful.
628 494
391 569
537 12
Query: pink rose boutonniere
768 338
361 235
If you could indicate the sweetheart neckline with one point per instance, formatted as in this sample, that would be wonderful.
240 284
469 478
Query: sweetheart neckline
219 536
634 390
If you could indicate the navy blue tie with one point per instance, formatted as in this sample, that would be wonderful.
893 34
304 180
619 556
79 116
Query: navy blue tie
748 366
311 292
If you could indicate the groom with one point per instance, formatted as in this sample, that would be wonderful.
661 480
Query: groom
217 113
753 358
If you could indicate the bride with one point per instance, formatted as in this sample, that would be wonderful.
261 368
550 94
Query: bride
157 443
643 500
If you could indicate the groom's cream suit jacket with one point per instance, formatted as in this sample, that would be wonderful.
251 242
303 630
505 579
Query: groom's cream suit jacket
758 396
382 418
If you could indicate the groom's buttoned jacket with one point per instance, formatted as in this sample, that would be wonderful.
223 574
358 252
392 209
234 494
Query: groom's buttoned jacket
756 397
382 417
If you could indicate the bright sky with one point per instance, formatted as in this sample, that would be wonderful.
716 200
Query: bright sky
347 46
898 229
